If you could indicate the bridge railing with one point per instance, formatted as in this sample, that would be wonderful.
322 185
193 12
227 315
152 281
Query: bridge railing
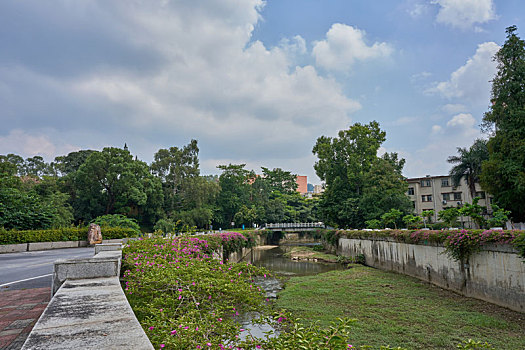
294 225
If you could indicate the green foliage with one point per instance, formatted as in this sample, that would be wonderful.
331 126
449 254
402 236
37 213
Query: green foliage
449 216
310 336
166 226
60 234
373 224
499 217
468 164
503 174
391 217
474 211
245 216
412 221
112 182
184 298
117 220
235 192
519 243
359 185
279 180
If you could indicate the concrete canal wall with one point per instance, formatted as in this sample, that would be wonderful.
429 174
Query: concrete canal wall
496 274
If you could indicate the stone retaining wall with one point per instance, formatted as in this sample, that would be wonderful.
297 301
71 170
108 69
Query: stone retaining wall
89 309
34 246
496 274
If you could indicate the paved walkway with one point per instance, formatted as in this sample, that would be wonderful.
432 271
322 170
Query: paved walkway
19 311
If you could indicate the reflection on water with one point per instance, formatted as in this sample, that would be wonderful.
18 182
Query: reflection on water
274 259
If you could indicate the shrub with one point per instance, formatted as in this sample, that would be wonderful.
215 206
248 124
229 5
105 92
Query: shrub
117 220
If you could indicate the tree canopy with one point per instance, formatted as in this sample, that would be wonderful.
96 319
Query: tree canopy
503 174
360 186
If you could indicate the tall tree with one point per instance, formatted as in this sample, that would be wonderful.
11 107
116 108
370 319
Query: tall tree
235 191
280 180
344 162
503 174
72 161
112 182
174 166
468 165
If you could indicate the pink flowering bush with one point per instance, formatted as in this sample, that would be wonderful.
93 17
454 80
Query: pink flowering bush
184 298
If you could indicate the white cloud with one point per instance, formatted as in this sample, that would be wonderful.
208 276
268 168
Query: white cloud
462 120
453 108
471 82
344 45
459 131
418 10
28 145
465 13
295 46
436 129
209 81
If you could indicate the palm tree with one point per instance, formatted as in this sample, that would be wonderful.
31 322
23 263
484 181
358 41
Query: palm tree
468 164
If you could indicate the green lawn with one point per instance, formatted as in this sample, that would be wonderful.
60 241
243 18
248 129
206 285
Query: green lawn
397 310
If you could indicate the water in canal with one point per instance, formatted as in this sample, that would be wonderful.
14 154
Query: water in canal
272 258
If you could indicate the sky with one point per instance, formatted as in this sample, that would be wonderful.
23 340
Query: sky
254 81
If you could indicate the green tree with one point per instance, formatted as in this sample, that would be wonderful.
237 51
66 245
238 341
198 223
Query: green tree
391 217
384 188
503 174
412 221
116 220
72 161
359 185
499 217
112 182
245 216
280 180
427 216
468 165
175 164
235 191
449 216
474 211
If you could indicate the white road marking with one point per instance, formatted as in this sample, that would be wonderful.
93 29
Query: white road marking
27 279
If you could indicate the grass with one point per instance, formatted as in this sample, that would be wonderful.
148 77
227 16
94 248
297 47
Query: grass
397 310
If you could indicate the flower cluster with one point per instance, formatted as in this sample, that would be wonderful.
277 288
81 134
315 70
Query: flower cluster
183 297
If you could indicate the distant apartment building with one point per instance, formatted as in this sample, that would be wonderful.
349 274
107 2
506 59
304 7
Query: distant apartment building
318 189
302 184
437 193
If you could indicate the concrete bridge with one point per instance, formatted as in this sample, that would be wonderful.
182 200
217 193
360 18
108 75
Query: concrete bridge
295 226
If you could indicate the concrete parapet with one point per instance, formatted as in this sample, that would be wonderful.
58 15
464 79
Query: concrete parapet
104 264
107 247
13 248
88 314
51 245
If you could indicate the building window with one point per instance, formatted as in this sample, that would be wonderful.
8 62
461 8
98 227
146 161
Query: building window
444 183
425 183
411 191
457 196
446 196
426 198
481 195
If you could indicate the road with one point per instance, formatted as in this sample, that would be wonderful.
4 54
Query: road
34 269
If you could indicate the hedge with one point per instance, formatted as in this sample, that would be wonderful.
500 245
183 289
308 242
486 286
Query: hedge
60 234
